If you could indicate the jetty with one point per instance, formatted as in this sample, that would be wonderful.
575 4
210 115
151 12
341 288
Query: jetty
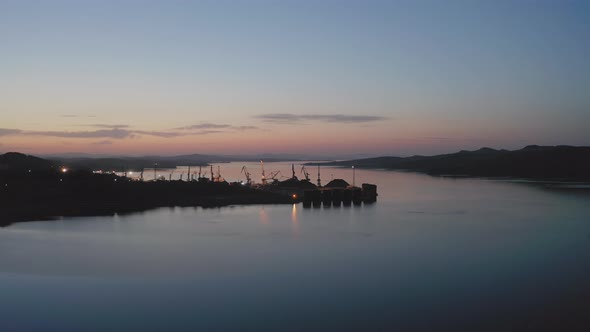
334 194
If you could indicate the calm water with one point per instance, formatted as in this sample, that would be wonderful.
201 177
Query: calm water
432 254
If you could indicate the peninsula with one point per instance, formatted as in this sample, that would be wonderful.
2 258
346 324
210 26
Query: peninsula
32 188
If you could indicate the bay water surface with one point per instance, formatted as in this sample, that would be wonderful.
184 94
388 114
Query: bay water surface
432 254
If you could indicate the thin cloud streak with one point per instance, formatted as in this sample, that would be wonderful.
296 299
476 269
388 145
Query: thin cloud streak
77 116
207 132
284 118
110 133
7 131
105 142
163 134
243 128
107 126
204 126
123 131
213 126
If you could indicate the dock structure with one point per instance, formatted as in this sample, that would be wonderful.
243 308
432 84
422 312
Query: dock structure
335 193
336 197
356 195
369 193
327 197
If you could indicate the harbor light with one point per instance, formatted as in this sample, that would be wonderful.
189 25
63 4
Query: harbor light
64 170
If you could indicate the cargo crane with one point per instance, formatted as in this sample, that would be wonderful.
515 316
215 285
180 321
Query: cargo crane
273 176
263 174
212 174
319 179
247 174
305 173
188 174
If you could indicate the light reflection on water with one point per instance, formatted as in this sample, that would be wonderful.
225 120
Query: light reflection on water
294 221
432 252
263 216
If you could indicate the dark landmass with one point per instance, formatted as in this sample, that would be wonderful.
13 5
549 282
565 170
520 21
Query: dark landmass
17 162
532 162
122 164
210 158
116 164
35 189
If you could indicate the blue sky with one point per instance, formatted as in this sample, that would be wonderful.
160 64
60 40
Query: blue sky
434 76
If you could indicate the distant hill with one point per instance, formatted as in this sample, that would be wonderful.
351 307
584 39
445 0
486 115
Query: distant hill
14 161
138 163
539 162
270 157
91 162
114 164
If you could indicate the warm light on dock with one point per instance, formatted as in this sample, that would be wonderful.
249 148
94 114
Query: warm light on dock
64 170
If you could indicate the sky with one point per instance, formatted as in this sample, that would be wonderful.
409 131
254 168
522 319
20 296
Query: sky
302 76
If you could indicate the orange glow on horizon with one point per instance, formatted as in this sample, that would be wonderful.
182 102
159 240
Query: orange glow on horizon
386 138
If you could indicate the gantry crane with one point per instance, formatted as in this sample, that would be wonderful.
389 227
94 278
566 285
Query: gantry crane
263 174
273 175
305 173
247 174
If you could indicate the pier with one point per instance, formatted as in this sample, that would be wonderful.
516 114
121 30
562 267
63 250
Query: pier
335 197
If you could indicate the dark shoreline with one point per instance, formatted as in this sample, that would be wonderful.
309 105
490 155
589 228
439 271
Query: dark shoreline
7 220
29 198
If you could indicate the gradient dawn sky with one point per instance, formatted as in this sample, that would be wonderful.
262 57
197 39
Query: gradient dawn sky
373 77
